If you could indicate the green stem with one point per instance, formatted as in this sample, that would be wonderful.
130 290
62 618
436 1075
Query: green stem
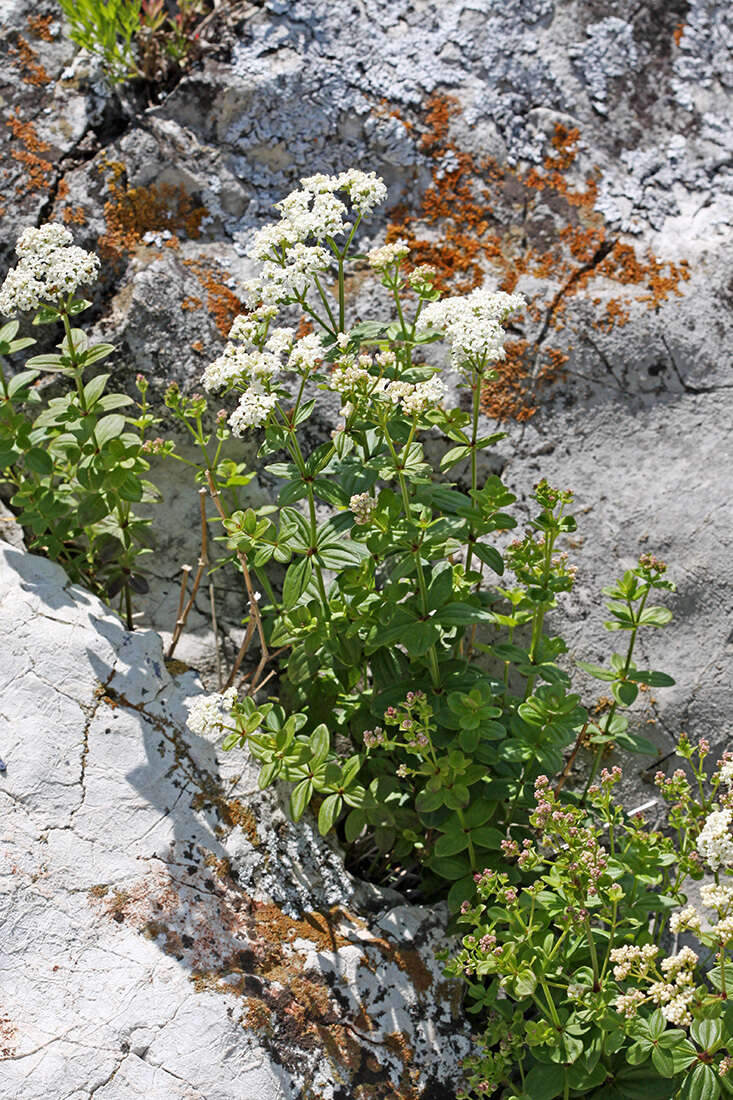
612 711
593 953
325 301
476 387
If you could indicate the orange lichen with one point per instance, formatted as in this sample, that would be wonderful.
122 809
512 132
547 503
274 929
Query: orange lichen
191 303
131 212
39 25
221 301
38 170
26 59
458 230
677 33
74 215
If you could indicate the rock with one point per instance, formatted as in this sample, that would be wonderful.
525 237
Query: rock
167 931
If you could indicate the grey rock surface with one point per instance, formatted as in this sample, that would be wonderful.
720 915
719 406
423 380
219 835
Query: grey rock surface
167 932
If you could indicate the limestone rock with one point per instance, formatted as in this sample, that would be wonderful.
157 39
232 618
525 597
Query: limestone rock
167 932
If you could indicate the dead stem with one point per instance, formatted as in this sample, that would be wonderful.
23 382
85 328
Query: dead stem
254 610
203 561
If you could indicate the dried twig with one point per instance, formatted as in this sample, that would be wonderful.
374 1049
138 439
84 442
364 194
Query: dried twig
254 611
242 652
571 759
183 612
212 603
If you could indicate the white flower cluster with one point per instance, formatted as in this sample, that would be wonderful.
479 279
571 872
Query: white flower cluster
315 213
473 324
252 411
306 354
715 842
416 397
237 364
726 772
687 920
246 326
630 956
288 279
388 254
50 267
206 713
717 896
723 931
628 1003
363 506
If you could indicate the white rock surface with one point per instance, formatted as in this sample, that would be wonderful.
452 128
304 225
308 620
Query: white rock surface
166 931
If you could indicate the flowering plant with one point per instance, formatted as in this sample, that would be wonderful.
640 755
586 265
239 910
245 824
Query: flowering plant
566 960
414 735
74 464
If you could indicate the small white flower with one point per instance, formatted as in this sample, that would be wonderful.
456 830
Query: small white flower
208 714
684 960
715 842
363 506
723 930
416 397
388 254
280 341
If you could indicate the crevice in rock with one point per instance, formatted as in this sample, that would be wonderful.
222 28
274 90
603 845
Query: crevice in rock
597 258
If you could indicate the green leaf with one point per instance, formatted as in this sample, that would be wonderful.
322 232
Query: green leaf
461 614
486 836
655 616
624 692
296 581
329 811
109 427
20 381
319 743
39 461
453 456
344 555
450 844
544 1082
654 679
354 825
49 363
707 1034
91 510
597 671
94 389
701 1084
97 352
715 977
450 867
300 797
489 556
420 636
525 983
